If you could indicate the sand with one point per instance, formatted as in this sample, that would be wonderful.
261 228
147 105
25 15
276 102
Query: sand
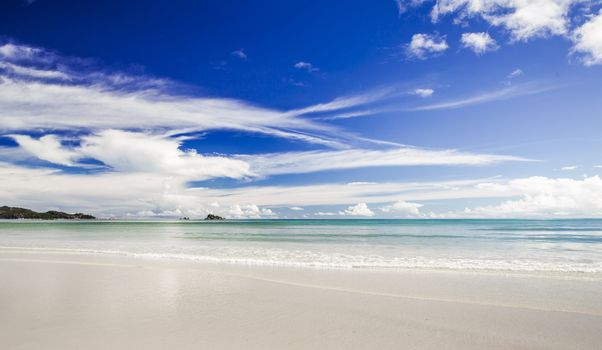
73 301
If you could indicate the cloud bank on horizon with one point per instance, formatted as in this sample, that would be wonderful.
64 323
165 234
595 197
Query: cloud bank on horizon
77 134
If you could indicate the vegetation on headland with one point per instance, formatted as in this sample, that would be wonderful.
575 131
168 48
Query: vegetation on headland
22 213
214 217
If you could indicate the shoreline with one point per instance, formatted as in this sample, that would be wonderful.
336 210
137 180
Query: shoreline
578 275
57 300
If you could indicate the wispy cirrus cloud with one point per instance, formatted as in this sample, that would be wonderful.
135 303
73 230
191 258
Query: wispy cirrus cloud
87 98
497 95
388 105
131 126
313 161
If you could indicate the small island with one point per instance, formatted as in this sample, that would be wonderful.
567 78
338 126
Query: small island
22 213
214 217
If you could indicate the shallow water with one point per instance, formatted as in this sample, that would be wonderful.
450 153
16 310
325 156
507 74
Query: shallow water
516 245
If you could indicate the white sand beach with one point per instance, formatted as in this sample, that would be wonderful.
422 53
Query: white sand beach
77 301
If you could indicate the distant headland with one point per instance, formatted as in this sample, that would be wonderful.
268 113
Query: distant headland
22 213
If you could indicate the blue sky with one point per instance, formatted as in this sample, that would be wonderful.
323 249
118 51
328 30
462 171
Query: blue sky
426 109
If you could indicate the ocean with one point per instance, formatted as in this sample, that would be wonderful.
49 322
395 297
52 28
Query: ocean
498 245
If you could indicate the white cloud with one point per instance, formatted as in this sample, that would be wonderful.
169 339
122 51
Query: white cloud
147 171
125 151
360 209
27 105
33 72
131 152
515 73
118 194
424 92
47 148
598 166
12 51
402 5
296 208
240 53
497 95
588 40
322 213
570 167
478 42
249 211
524 19
94 99
306 66
423 46
545 197
312 161
402 207
32 98
346 102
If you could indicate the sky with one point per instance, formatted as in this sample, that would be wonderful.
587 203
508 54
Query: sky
296 109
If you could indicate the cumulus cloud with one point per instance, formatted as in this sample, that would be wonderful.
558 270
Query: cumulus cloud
404 208
125 151
137 193
306 66
523 19
423 46
588 40
249 211
479 43
546 197
360 209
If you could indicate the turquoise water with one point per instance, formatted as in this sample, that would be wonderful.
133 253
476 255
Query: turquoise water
517 245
